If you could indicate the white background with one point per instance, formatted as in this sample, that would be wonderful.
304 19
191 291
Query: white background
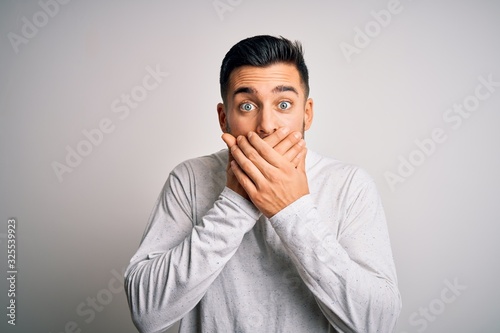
76 235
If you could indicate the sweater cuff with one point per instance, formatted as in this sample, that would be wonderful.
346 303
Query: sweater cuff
296 211
245 205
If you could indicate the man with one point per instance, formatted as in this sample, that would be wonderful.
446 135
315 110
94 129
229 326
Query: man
265 236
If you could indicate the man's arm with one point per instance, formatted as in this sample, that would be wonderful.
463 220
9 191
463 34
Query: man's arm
351 274
179 259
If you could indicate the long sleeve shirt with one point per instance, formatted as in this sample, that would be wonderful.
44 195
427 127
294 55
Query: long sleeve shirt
209 258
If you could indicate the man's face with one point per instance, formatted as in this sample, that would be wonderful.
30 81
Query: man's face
263 99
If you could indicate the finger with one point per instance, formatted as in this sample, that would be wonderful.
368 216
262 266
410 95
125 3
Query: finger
288 142
243 179
260 148
228 139
251 153
292 154
264 159
296 159
302 160
277 136
245 164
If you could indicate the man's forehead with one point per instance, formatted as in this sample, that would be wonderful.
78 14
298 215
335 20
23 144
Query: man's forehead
273 75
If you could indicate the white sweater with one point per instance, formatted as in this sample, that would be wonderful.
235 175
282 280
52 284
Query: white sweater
210 258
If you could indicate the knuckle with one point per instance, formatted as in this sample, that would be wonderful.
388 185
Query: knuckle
243 182
289 169
263 188
253 155
290 141
245 164
274 177
295 137
296 149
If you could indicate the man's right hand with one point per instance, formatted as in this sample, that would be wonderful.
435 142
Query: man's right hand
284 142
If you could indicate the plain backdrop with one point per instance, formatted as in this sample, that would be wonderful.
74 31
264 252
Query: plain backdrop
382 85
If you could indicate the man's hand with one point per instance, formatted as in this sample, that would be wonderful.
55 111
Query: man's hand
272 178
284 142
231 180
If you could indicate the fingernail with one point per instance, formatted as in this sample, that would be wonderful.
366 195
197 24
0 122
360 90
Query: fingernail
297 135
250 134
285 130
301 143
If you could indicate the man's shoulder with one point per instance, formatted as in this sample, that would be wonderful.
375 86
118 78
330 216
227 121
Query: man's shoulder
323 166
206 165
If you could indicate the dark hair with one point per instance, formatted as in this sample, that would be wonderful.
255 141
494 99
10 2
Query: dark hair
262 51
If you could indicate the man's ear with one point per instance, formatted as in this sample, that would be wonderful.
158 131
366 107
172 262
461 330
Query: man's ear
308 113
221 112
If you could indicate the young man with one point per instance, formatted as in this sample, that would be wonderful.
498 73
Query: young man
265 236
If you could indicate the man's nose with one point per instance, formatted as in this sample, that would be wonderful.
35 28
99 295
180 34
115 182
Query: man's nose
267 122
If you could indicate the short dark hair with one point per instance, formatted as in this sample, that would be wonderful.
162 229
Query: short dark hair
262 51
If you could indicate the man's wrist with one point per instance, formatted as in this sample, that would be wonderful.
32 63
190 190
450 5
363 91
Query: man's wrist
246 205
294 209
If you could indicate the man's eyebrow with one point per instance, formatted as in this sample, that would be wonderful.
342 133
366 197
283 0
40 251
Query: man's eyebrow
285 88
277 89
244 90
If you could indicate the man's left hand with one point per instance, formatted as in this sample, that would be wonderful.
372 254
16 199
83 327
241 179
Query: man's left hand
271 181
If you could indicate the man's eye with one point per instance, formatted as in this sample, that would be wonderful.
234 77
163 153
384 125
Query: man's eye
284 105
247 107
